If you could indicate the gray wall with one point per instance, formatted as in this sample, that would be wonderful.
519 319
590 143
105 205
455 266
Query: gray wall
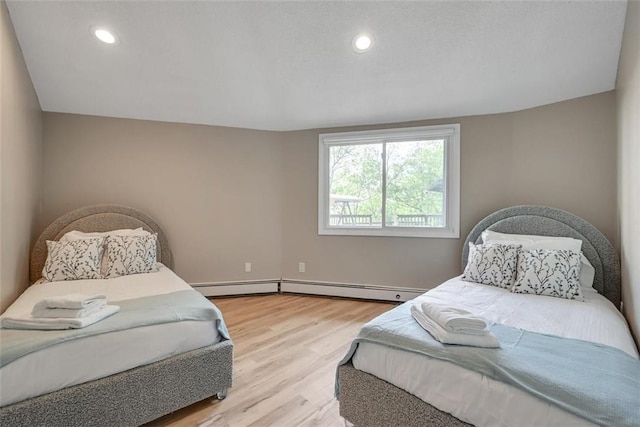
628 96
21 164
216 191
560 155
226 196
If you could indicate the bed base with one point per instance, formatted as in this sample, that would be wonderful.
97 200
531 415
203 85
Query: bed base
132 397
368 401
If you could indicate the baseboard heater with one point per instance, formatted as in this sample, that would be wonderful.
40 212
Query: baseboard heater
249 287
349 290
345 290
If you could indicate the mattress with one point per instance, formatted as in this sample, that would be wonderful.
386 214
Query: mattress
480 400
91 358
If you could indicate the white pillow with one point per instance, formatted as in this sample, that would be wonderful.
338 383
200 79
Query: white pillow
534 242
80 235
491 264
530 242
587 273
74 260
549 272
131 255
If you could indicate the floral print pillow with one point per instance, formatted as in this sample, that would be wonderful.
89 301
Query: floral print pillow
555 273
492 264
131 255
75 260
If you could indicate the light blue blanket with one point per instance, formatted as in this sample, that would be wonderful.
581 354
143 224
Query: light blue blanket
596 382
134 313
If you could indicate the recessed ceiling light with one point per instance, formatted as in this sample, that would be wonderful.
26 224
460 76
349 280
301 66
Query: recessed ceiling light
362 43
104 35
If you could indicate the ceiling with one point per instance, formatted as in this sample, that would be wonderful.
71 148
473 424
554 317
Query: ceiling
290 65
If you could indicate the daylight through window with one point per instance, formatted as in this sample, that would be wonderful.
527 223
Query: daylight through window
399 182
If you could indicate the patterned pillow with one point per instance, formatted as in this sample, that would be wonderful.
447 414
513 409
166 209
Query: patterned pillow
492 264
555 273
75 260
131 255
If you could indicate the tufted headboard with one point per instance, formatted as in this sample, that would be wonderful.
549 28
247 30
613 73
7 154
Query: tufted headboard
97 218
545 221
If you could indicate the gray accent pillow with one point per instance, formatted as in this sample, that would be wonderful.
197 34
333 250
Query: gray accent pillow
492 264
131 255
73 260
551 272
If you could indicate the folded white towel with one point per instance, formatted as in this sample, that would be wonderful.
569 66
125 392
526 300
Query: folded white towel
74 301
44 312
446 337
30 322
455 319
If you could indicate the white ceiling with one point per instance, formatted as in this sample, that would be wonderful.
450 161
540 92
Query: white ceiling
290 65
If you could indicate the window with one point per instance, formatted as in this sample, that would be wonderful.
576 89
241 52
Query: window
395 182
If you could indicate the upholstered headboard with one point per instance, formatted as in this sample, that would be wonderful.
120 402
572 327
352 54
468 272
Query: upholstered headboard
545 221
97 218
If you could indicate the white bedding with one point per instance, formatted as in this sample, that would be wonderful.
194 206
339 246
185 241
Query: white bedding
478 399
94 357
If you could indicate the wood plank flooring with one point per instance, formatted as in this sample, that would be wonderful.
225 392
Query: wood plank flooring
286 349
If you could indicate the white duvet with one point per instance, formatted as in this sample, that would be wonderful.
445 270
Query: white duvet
480 400
90 358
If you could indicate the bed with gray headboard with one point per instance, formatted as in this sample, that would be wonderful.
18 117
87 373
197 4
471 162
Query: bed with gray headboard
137 395
367 400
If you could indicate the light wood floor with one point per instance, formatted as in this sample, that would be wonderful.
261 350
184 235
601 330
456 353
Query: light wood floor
286 350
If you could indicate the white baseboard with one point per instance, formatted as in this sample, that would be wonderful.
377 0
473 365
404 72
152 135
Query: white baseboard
271 286
348 290
237 288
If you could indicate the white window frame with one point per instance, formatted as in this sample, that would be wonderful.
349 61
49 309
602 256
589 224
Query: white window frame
449 132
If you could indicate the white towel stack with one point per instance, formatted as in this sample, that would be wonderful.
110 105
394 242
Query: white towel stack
455 319
72 311
454 325
71 305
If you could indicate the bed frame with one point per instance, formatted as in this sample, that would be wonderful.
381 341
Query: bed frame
138 395
366 400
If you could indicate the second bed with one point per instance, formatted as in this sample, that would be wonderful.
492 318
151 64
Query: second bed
381 385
